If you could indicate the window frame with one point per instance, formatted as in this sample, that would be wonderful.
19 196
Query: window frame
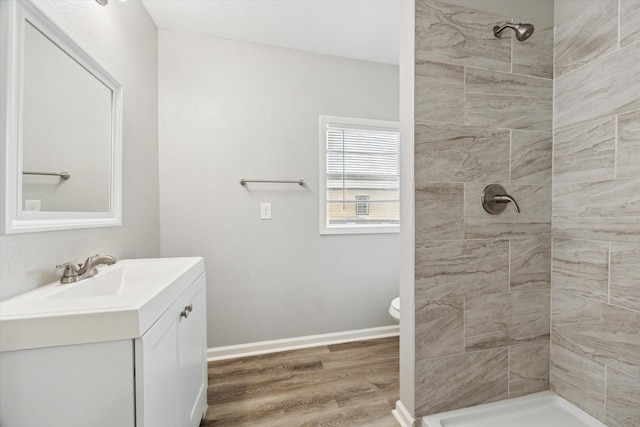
324 227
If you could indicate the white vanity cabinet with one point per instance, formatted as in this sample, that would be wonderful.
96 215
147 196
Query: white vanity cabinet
171 365
131 354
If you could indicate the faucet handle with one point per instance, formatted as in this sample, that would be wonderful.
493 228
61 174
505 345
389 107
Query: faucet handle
494 199
68 266
86 266
70 273
91 258
505 198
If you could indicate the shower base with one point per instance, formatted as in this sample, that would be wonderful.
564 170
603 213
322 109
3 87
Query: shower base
535 410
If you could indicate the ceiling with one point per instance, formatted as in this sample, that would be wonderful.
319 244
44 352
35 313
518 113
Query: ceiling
360 29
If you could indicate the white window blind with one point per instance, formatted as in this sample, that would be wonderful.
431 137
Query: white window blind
362 163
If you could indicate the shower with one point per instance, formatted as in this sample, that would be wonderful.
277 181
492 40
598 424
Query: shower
523 31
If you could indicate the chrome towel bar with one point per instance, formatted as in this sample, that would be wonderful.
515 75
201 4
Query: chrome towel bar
63 175
276 181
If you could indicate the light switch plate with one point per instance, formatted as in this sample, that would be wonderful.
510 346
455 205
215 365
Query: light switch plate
32 205
265 210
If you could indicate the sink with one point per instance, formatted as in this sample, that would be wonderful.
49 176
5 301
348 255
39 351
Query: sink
110 282
122 278
121 302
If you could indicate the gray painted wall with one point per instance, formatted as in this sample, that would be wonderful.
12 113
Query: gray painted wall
123 38
232 110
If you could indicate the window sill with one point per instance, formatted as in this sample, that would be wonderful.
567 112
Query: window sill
364 229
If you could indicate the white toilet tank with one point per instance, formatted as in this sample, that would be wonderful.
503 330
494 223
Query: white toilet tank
394 309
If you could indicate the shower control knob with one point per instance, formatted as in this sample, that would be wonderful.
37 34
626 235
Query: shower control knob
495 198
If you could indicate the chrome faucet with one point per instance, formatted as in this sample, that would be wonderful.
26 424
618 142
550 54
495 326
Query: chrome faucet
73 273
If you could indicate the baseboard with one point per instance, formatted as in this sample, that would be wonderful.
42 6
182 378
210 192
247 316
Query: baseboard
403 416
274 346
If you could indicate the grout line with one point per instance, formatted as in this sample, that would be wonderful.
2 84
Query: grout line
595 300
621 307
609 274
464 95
464 325
598 59
508 371
464 211
604 402
511 52
619 22
615 148
510 155
509 267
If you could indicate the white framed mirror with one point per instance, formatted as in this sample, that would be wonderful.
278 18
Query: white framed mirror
62 131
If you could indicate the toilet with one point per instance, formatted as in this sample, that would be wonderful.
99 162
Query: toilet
394 309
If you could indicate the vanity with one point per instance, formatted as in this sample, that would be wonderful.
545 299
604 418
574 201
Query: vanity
126 347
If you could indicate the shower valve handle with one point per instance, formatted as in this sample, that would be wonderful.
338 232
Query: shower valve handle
505 198
495 198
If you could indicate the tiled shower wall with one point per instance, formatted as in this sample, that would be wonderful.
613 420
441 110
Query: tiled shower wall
595 352
483 114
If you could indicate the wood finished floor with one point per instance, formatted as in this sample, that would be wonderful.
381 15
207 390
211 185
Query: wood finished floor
352 384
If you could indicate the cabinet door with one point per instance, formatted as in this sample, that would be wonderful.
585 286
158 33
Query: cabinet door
157 374
192 343
171 364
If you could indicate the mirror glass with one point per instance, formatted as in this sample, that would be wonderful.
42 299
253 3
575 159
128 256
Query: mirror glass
63 128
66 130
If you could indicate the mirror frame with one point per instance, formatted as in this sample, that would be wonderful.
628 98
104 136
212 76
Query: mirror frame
13 19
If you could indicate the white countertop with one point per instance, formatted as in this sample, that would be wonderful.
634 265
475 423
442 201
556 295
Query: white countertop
64 314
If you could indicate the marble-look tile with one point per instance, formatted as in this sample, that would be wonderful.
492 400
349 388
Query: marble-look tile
461 268
458 153
505 319
601 332
600 89
459 35
629 22
581 267
439 92
530 264
628 146
534 217
439 328
531 154
453 382
503 100
585 152
534 56
528 368
579 380
605 210
625 275
585 30
623 399
439 211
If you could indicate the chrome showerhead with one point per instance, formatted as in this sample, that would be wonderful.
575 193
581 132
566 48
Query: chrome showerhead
523 31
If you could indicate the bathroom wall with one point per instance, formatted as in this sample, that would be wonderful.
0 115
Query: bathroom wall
232 110
595 352
483 114
123 38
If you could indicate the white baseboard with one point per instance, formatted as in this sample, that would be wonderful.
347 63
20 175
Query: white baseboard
274 346
403 416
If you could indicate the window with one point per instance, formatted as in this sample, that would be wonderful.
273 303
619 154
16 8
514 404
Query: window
359 176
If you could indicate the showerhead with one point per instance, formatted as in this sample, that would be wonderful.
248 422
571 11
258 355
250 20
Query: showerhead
523 31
